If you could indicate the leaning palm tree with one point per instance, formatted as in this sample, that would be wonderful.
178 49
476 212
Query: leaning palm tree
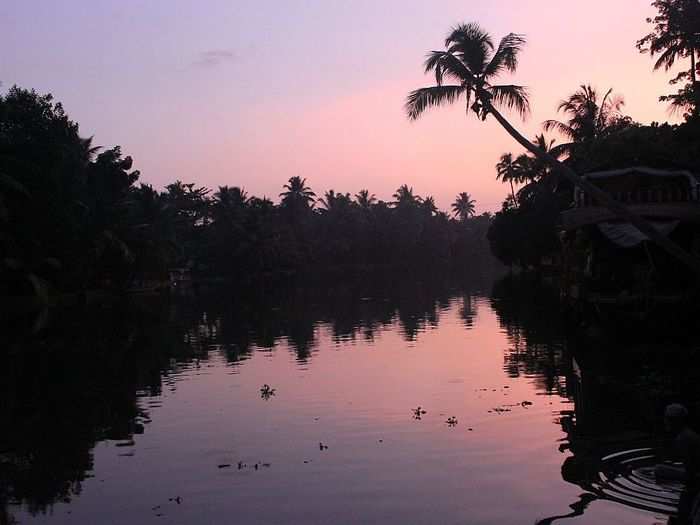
590 117
464 206
472 63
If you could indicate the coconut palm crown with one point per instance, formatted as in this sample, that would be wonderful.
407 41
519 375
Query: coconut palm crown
464 206
470 63
589 116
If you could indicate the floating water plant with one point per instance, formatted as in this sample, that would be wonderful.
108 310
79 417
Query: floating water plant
266 392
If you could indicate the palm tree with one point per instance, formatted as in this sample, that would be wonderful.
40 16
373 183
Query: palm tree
229 204
472 62
676 35
297 194
508 170
332 200
428 205
532 169
234 197
364 199
464 206
404 197
590 117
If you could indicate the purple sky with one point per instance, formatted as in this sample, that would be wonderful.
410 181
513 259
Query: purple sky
249 93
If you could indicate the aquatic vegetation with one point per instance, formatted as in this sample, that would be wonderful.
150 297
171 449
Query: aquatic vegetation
418 412
266 392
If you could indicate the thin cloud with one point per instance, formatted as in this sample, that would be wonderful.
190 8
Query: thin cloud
214 57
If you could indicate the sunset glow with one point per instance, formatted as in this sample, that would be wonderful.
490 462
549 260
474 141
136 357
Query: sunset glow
251 93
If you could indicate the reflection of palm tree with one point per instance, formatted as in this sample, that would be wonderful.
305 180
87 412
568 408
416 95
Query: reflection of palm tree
471 60
468 311
577 509
464 206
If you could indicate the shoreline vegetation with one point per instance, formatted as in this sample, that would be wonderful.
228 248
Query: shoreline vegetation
76 221
75 218
597 134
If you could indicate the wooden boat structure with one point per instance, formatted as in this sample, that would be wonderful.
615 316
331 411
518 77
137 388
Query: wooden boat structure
609 265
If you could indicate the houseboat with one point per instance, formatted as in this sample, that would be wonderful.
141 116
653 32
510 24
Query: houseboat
608 263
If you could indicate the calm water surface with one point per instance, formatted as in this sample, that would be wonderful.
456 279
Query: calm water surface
158 417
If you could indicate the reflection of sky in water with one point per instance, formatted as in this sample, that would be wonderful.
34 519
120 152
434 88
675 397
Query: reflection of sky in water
353 391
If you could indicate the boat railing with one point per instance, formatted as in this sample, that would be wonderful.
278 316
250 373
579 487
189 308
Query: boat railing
646 196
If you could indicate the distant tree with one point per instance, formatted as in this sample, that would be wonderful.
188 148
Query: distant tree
464 206
297 193
332 200
364 199
404 197
228 197
428 205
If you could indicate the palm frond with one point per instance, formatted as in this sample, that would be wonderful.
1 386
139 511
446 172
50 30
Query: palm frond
421 99
511 97
667 58
469 32
445 63
471 44
559 127
506 56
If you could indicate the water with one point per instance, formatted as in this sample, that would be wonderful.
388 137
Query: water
156 415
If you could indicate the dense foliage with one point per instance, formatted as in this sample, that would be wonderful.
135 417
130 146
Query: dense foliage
74 218
599 136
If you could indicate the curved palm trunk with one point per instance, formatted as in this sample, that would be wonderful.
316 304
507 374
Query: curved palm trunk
603 198
512 191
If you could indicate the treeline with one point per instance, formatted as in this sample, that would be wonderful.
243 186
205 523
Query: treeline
595 135
74 218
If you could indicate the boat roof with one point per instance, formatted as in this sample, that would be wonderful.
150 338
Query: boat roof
692 178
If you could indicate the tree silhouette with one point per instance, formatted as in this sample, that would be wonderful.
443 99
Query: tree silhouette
365 200
471 60
404 197
590 117
676 35
297 193
464 206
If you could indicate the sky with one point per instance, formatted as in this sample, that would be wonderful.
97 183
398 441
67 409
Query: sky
250 93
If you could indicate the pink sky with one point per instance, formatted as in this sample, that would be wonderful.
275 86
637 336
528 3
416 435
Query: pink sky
251 93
